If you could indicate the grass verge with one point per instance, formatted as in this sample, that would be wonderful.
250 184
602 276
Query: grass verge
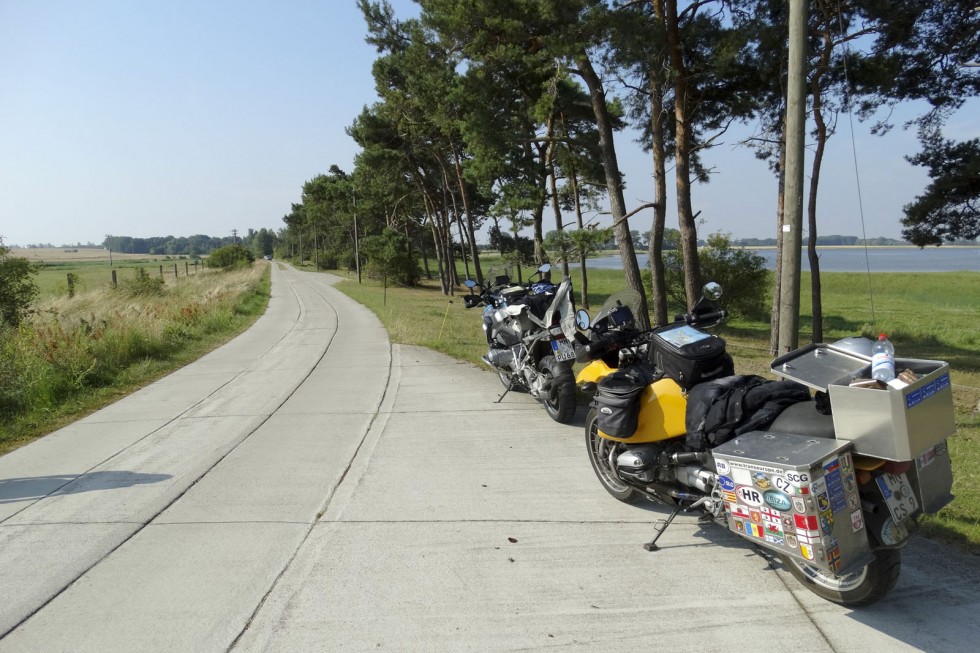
75 355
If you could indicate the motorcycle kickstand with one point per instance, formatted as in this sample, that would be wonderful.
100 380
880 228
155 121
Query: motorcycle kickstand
508 389
660 527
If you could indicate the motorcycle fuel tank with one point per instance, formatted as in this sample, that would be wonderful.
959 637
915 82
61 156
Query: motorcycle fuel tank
795 495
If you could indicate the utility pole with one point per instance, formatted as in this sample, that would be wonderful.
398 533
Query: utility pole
357 252
108 246
789 284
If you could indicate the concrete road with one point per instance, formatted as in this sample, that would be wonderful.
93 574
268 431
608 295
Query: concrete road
310 486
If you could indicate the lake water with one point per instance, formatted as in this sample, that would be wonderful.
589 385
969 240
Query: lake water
858 259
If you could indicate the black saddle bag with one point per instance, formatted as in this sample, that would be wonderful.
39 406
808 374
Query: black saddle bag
617 401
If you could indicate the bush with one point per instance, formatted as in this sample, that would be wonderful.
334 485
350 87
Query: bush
742 274
17 287
388 258
142 284
231 256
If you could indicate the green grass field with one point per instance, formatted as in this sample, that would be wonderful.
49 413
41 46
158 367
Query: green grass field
931 316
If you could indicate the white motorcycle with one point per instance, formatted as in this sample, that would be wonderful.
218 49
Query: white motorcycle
529 332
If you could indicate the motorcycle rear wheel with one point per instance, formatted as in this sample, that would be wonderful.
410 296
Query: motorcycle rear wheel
863 587
560 402
601 452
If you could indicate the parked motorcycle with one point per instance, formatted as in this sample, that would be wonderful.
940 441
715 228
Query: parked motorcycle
832 486
528 330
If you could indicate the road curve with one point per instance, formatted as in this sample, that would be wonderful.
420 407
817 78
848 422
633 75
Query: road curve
309 486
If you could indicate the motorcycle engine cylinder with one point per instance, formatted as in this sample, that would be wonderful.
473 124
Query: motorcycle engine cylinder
502 358
639 463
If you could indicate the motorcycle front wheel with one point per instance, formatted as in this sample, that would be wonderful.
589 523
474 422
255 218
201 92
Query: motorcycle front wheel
602 452
863 587
560 401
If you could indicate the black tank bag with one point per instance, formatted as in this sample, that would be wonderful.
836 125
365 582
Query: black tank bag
689 356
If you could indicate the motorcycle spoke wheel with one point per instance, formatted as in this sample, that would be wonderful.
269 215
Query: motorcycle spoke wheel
601 454
863 587
560 382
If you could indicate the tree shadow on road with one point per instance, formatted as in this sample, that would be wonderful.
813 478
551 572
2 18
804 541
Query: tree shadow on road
38 487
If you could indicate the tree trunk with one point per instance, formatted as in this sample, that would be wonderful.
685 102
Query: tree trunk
682 160
553 192
468 210
780 204
656 245
614 184
584 286
811 246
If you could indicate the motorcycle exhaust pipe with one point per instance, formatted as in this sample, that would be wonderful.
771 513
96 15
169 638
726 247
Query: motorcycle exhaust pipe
696 477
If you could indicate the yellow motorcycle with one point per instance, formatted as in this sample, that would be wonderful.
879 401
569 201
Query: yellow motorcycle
824 469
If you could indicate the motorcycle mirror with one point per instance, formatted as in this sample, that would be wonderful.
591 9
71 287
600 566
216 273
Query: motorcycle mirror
469 283
712 290
545 267
582 320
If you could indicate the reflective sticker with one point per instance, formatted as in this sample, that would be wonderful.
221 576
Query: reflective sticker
741 511
827 522
857 521
749 495
742 476
777 500
726 484
782 484
833 558
806 522
798 478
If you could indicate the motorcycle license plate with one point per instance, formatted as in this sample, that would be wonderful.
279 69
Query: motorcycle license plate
563 350
897 491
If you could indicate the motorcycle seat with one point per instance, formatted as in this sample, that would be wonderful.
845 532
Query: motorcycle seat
803 419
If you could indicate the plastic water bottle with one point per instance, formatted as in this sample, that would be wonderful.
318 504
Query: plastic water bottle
883 359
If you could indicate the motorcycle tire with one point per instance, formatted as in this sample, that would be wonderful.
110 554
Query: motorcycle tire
863 587
560 402
601 453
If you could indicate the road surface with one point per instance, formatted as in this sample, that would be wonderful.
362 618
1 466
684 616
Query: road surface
310 486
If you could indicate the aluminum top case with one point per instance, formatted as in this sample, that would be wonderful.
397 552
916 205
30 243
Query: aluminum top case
894 423
795 495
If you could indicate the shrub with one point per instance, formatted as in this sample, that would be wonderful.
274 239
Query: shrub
142 284
742 274
17 287
231 256
388 258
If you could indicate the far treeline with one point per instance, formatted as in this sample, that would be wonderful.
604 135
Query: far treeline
493 114
260 243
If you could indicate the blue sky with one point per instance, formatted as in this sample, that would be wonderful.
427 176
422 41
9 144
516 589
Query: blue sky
180 117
